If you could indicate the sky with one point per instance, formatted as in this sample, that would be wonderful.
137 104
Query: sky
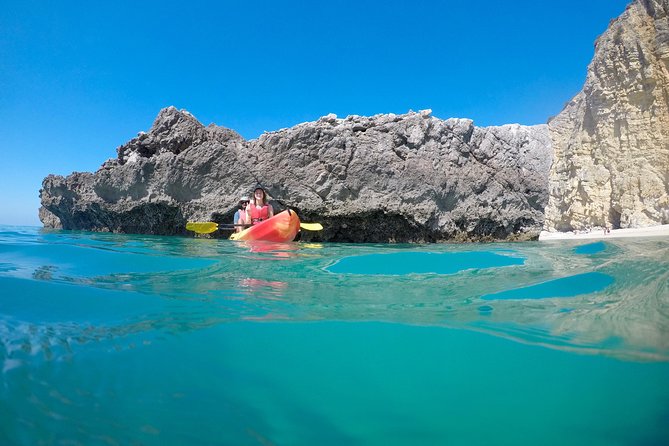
80 78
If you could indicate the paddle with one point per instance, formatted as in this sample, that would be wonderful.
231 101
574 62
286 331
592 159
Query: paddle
311 226
207 227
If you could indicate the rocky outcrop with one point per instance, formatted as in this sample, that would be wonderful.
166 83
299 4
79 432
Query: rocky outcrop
611 141
409 177
179 170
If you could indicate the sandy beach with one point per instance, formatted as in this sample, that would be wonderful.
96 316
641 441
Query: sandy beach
652 231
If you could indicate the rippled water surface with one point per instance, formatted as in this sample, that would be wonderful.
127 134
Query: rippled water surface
119 339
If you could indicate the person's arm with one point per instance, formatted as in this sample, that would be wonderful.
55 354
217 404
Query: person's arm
270 211
238 219
248 214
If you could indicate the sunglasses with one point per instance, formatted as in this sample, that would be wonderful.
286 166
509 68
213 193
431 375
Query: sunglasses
244 202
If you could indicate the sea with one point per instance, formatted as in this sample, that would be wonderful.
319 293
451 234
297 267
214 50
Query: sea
109 339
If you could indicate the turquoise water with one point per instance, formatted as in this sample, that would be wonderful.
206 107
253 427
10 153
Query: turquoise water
570 286
118 339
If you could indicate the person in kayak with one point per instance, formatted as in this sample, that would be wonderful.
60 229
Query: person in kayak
259 209
240 215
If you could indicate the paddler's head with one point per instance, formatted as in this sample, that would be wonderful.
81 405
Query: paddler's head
259 196
243 202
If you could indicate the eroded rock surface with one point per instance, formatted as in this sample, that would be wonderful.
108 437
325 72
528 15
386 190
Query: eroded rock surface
179 170
409 177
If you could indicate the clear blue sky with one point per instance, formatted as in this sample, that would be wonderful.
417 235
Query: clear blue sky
78 79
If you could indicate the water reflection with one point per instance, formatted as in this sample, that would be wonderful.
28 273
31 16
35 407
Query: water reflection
402 263
571 286
274 288
44 272
272 250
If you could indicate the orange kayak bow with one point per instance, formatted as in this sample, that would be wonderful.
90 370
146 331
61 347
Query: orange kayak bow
282 227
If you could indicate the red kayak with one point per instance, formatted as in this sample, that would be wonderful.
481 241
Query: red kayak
282 227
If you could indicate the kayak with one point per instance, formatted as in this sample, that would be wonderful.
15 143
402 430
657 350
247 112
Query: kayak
282 227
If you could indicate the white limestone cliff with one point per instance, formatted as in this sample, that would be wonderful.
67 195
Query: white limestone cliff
611 142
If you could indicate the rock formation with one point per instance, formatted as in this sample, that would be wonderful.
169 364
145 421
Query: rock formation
410 177
611 142
407 177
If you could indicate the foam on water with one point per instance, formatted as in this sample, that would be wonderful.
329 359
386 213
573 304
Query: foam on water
118 339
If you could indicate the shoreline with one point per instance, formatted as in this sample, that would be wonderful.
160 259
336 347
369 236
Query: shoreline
597 234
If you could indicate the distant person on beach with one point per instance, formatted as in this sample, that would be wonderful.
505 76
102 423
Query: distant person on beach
240 215
259 209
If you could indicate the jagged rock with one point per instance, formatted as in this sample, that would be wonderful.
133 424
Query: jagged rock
179 170
407 177
48 219
611 141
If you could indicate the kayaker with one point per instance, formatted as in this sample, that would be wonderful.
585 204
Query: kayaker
259 209
240 215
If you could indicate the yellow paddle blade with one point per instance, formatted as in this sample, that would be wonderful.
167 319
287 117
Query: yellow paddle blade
235 235
312 245
202 227
311 226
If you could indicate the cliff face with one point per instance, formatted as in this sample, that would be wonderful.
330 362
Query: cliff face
611 142
406 177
